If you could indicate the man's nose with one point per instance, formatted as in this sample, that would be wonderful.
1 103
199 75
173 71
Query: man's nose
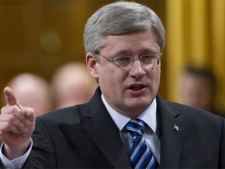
136 68
136 62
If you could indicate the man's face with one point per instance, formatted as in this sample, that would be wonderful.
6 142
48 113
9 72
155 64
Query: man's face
196 92
130 91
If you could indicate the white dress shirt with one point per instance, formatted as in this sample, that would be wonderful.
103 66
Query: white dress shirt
149 117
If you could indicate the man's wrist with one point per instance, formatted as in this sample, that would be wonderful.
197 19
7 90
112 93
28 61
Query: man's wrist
17 162
17 151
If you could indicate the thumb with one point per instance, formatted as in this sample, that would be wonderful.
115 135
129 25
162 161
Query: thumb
10 97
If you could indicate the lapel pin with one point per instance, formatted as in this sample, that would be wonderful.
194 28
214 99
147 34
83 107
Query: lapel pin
175 127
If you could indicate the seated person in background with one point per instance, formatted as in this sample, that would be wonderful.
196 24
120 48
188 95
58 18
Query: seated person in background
32 90
198 88
72 84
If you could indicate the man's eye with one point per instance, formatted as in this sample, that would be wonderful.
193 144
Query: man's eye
146 57
122 59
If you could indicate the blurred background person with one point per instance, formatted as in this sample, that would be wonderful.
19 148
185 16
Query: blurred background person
32 90
72 84
198 89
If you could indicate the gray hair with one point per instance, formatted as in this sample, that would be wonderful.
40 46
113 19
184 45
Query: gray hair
120 18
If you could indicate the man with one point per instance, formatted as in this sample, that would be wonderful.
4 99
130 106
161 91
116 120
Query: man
72 84
198 88
123 43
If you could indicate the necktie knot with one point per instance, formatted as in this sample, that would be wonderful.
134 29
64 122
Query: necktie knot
135 127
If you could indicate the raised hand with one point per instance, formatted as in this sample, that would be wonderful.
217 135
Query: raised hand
16 126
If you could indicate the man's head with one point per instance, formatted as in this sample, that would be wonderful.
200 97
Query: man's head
198 88
120 18
123 43
72 84
32 90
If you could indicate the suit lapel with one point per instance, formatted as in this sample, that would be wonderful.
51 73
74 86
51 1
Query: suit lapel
171 133
105 133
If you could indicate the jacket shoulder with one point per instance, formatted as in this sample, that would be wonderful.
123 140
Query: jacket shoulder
187 112
72 113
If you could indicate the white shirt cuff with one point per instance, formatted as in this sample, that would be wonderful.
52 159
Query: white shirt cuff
17 162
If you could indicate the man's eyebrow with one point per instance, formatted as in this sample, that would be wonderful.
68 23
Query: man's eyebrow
129 53
122 52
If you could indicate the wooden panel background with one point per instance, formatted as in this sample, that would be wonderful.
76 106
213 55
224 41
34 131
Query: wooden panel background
39 35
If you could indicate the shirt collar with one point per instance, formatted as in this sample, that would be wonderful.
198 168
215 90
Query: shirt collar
148 116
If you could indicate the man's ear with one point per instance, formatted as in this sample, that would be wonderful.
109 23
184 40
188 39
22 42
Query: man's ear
92 65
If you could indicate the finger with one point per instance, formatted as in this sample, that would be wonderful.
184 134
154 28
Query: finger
9 128
10 97
25 115
10 123
29 113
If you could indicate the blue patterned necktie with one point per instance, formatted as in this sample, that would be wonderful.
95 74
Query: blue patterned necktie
140 154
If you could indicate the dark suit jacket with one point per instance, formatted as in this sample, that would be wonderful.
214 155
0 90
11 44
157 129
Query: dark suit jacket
84 136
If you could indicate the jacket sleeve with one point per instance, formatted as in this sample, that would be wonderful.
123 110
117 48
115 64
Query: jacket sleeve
42 153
